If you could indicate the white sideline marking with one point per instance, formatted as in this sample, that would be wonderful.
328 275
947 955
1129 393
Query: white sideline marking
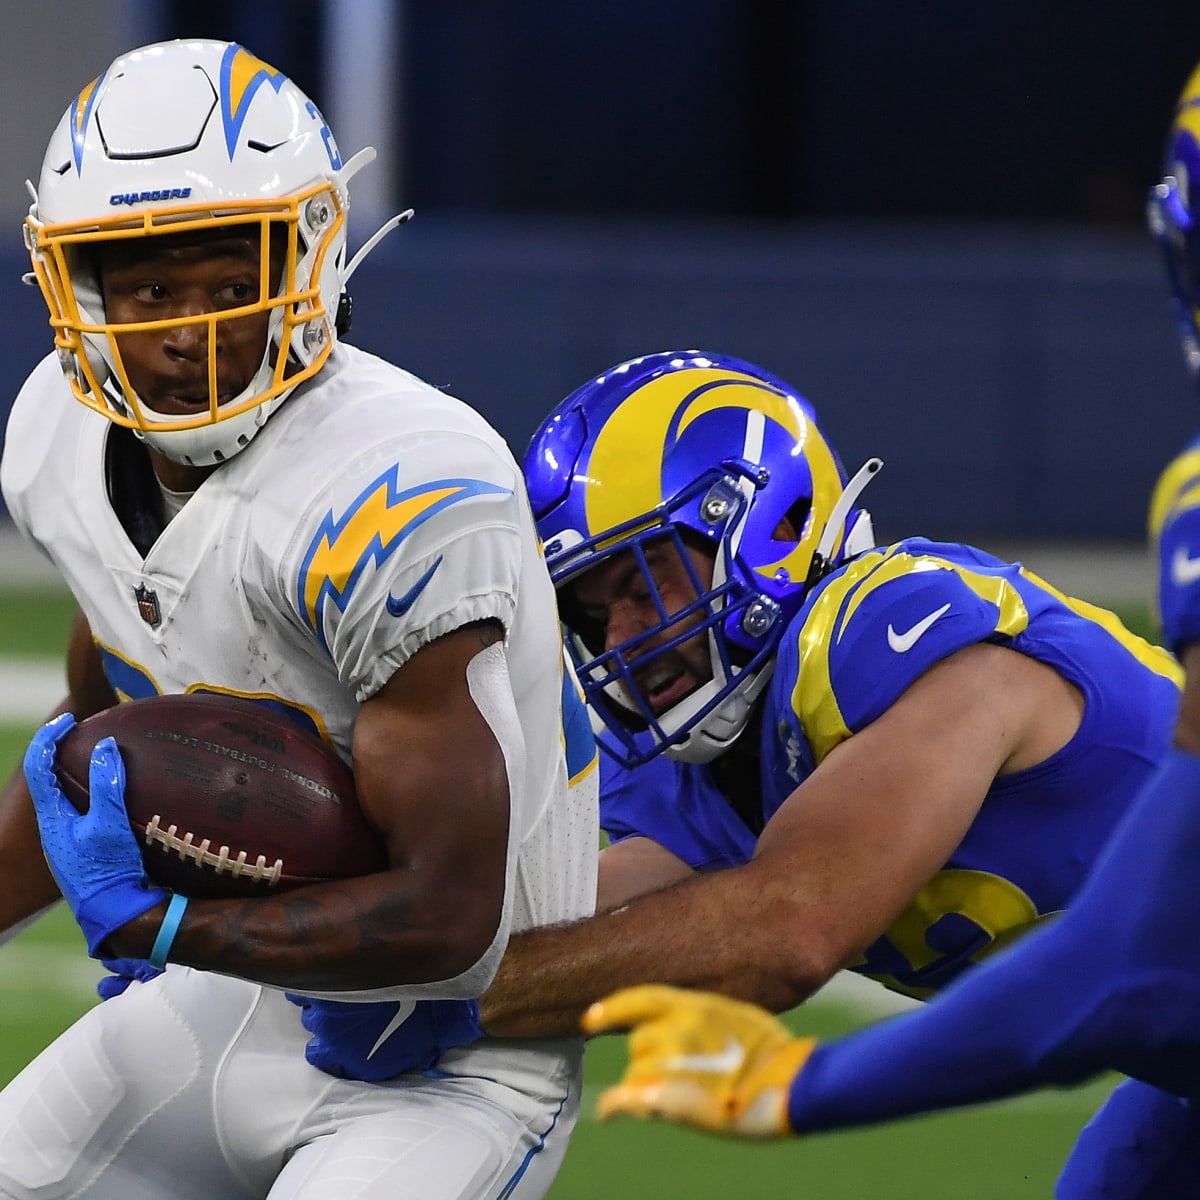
29 689
30 971
864 997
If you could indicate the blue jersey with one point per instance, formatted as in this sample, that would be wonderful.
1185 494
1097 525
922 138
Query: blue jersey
863 637
1175 539
1112 984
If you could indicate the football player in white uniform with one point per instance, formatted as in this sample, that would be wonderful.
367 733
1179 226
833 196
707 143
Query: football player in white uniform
242 503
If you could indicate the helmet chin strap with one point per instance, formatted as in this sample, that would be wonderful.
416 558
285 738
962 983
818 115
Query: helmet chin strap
354 164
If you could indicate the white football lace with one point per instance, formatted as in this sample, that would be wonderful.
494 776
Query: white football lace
222 860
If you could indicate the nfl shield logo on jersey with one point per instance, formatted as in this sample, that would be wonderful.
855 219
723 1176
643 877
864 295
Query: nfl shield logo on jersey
147 602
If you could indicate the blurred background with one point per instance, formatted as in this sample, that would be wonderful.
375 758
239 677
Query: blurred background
929 218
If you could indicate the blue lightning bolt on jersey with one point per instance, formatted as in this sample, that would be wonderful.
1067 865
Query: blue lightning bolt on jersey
1175 538
863 637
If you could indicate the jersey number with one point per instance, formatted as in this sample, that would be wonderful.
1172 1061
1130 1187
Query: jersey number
957 918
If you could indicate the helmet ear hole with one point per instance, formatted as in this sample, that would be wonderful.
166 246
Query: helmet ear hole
791 524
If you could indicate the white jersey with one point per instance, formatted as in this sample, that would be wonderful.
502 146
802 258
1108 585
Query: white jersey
370 516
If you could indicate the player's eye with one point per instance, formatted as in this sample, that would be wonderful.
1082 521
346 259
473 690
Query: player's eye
239 293
639 590
150 293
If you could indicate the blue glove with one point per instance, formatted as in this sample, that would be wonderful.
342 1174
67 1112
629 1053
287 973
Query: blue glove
94 856
124 972
380 1039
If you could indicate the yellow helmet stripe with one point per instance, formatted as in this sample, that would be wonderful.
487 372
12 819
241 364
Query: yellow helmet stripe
1188 111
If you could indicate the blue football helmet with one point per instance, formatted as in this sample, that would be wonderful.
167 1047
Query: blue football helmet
707 451
1173 215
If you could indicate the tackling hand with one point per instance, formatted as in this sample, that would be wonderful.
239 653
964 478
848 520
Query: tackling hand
380 1039
94 855
702 1060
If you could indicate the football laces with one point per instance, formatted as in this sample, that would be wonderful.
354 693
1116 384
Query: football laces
222 860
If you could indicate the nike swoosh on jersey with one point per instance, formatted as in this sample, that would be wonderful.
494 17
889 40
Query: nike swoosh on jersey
903 642
404 1010
1184 568
399 605
728 1060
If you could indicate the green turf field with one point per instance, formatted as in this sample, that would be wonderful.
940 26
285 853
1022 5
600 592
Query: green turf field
997 1152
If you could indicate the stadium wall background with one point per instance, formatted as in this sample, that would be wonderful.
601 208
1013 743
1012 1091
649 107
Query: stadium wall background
1016 383
928 217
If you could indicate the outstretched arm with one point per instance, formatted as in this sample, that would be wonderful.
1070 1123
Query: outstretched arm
843 855
1112 984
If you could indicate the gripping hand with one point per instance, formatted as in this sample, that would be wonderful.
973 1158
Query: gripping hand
702 1060
380 1039
94 855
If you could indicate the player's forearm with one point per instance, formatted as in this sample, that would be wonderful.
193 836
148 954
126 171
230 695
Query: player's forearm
544 982
708 933
375 932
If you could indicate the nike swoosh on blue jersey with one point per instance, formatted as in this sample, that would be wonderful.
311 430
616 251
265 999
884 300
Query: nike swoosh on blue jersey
1185 569
399 605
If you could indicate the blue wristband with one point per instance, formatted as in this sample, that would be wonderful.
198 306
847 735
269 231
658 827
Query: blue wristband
167 932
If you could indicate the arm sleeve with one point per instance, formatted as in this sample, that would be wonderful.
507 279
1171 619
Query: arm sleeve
1112 984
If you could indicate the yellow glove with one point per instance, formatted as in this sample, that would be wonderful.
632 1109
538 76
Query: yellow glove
701 1060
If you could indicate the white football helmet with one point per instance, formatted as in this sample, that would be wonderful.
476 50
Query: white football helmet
178 137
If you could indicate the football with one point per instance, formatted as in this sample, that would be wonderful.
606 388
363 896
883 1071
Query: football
228 798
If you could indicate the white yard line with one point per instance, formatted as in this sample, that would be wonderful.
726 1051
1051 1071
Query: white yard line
864 997
30 689
20 564
30 971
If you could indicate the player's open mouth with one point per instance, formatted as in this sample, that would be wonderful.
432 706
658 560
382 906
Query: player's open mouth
664 687
174 402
